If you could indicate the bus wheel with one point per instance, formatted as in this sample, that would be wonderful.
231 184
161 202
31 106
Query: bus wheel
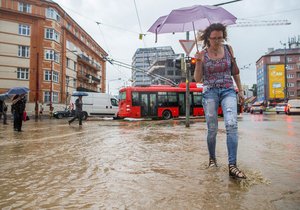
167 115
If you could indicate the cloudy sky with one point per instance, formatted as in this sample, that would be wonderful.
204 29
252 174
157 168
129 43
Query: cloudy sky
118 33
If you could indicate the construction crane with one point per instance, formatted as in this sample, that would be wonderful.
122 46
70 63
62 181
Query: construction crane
254 23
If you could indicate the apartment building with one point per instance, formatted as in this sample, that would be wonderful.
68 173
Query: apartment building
142 61
44 49
272 78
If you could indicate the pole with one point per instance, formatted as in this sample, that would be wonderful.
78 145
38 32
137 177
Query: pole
67 93
51 78
187 91
37 89
285 75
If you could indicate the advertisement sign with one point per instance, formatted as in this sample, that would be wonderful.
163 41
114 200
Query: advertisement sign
276 81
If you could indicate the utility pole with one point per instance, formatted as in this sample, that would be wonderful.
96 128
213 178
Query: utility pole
187 90
51 81
37 89
285 74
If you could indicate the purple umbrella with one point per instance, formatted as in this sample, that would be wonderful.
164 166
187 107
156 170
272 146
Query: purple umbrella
192 18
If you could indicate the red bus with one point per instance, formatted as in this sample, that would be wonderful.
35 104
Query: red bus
160 101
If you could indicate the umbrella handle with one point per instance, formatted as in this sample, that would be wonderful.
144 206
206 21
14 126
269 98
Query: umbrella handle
195 37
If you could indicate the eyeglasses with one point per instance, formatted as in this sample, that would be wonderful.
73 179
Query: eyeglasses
216 38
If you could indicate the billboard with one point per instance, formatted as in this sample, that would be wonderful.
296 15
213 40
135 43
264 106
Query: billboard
276 81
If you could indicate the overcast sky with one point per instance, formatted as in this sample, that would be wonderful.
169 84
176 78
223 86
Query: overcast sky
118 34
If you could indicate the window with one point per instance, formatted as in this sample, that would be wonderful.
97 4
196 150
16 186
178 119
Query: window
55 77
22 73
52 55
275 59
290 84
289 76
68 62
47 97
291 93
24 30
55 97
23 7
69 26
75 66
289 59
52 14
23 51
47 76
52 34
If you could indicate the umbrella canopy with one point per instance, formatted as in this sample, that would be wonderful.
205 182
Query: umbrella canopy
80 94
196 17
4 96
18 90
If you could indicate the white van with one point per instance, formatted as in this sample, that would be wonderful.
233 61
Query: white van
98 104
293 106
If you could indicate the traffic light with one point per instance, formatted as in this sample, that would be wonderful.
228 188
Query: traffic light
192 67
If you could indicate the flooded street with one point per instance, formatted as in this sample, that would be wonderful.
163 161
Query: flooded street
148 165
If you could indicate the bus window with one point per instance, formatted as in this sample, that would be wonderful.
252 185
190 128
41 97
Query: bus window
135 99
172 99
122 96
162 99
197 97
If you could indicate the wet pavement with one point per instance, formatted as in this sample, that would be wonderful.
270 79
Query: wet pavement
111 164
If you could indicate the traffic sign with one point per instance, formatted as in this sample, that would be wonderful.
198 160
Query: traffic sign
187 45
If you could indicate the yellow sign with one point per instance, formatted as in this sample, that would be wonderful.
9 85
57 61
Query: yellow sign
276 81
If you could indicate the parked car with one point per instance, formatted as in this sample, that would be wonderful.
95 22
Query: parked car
293 106
257 107
67 113
280 107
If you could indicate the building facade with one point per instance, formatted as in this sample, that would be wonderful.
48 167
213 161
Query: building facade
272 78
167 71
44 49
143 59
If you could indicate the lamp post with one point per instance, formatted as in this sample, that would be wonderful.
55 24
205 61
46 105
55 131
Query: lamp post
285 73
111 81
51 89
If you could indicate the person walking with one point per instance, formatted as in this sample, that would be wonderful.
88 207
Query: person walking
213 68
78 111
18 108
3 111
41 110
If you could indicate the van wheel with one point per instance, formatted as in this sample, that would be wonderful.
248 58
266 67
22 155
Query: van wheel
84 116
60 116
167 115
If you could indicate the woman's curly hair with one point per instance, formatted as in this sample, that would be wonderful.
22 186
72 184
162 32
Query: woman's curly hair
206 33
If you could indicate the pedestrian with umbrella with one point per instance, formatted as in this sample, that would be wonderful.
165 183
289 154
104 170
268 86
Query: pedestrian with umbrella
78 107
3 108
214 66
18 107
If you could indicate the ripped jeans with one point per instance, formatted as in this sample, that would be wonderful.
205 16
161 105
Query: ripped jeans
211 99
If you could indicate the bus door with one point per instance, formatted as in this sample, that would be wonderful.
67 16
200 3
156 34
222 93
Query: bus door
181 103
144 104
153 104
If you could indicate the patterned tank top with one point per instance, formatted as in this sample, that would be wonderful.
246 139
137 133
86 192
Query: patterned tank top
217 73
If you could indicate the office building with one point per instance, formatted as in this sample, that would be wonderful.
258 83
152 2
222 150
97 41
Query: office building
143 59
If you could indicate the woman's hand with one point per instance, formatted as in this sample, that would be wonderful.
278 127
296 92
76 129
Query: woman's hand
241 97
199 56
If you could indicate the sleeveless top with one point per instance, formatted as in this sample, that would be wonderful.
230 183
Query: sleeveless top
217 72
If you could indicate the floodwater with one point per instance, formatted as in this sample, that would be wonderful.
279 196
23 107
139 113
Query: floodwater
148 165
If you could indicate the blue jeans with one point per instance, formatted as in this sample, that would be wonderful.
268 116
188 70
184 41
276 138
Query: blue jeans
212 97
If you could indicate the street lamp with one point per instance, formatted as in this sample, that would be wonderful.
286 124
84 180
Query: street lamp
111 81
285 73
